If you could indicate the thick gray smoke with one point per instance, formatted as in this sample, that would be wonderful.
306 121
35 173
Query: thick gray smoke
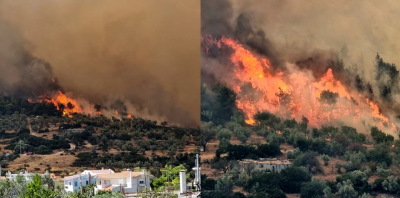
143 53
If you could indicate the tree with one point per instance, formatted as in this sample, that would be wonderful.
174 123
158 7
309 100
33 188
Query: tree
325 158
36 190
225 184
46 180
365 195
224 134
208 183
221 164
379 136
293 179
21 145
225 104
248 167
346 190
383 170
391 184
109 194
314 189
354 159
309 160
207 133
304 123
328 97
294 154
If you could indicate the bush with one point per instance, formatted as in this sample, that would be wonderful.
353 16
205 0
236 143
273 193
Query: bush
313 189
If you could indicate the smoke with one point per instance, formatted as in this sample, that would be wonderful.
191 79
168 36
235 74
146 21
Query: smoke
358 29
308 38
143 53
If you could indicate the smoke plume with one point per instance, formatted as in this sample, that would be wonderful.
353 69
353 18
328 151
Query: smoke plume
143 53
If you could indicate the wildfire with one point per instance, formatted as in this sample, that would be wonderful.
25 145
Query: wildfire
129 116
279 132
294 93
393 146
328 139
67 105
116 112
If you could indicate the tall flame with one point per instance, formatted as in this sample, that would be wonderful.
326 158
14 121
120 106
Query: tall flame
69 105
292 93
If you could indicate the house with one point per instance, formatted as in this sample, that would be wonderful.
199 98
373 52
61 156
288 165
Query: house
74 182
28 176
96 172
265 164
75 130
128 181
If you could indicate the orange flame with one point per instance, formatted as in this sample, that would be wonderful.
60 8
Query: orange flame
116 112
393 146
129 116
328 139
293 93
68 105
29 100
279 132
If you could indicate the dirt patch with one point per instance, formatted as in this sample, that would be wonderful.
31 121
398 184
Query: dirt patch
240 189
373 178
211 147
330 172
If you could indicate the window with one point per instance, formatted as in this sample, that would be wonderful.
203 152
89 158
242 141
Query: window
87 182
141 182
75 183
261 166
70 183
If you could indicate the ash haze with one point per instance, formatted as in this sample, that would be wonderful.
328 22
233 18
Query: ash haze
364 28
143 53
303 36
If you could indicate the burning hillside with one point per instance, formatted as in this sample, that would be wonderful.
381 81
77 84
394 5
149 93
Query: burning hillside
107 53
321 89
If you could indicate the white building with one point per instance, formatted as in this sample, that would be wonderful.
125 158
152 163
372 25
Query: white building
130 182
265 164
96 172
74 182
28 176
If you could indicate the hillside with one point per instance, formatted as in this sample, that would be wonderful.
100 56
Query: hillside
37 137
328 160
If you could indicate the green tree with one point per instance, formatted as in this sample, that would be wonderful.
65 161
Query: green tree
346 190
225 104
391 184
225 184
383 170
37 190
21 146
294 178
224 134
208 132
325 158
313 189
